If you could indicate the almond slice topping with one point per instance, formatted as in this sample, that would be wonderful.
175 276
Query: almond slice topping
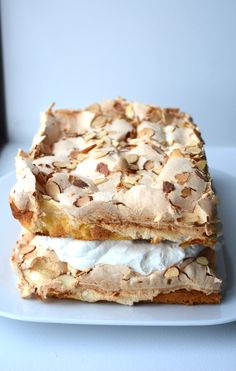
155 115
129 112
148 165
146 132
87 149
201 164
53 189
99 153
202 260
131 158
171 272
186 192
99 181
102 168
168 187
77 182
182 178
94 108
90 135
99 122
83 201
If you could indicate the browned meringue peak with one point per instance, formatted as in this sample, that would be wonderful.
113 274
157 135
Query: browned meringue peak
147 161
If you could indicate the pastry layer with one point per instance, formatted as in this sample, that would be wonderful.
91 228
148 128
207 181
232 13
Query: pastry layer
42 274
116 170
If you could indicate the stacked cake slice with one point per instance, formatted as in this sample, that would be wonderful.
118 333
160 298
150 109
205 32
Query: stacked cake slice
116 204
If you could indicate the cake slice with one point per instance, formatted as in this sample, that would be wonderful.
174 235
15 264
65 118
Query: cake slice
125 272
118 170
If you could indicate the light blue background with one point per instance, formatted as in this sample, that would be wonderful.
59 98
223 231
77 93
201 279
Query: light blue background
170 53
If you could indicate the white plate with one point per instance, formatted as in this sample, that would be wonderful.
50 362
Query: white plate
12 306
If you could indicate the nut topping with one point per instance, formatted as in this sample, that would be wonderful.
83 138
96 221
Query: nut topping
99 181
168 187
90 135
102 168
171 272
129 112
77 182
99 153
148 165
131 158
182 178
186 192
83 201
202 260
146 132
99 122
201 164
53 189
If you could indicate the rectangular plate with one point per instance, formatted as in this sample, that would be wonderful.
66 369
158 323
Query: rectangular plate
69 311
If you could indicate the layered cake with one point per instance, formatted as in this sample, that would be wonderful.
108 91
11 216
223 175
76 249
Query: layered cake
116 204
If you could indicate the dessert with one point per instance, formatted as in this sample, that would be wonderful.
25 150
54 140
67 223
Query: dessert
124 187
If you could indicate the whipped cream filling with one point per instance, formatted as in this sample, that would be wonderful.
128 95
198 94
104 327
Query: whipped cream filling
141 256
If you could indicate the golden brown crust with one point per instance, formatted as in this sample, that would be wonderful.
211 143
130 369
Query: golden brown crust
188 298
184 297
114 164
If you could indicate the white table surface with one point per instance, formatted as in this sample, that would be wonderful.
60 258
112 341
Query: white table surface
33 346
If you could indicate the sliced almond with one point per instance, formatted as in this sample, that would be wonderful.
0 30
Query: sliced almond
182 177
101 133
171 272
65 165
77 182
155 115
133 167
99 181
60 164
87 149
201 164
131 158
99 122
99 153
129 112
157 170
168 187
83 201
194 150
186 192
72 165
90 135
106 141
176 153
127 185
46 197
131 179
53 189
102 168
202 260
94 108
148 165
146 132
